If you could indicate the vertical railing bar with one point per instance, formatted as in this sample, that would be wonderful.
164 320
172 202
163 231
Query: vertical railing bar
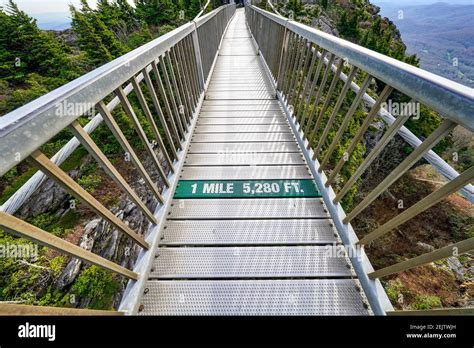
178 94
306 84
321 88
168 90
278 51
294 66
298 74
188 52
161 89
109 168
25 191
334 113
191 52
286 56
433 139
141 133
368 120
174 88
347 119
312 92
304 74
177 70
289 70
161 116
327 101
116 131
185 90
151 121
188 83
198 58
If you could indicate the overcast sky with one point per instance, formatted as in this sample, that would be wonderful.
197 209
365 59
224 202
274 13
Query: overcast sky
48 6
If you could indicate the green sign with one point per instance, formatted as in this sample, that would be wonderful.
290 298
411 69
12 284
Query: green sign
246 188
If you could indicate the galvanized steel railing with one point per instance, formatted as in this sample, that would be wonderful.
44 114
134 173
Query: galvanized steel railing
306 66
172 70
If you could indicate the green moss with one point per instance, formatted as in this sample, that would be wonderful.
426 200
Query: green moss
16 184
90 182
462 226
74 160
44 221
98 285
56 265
69 220
59 226
423 302
393 289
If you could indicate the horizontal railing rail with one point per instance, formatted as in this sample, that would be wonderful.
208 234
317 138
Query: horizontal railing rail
167 79
313 73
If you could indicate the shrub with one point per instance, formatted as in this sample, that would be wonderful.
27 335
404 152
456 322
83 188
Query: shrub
98 285
426 302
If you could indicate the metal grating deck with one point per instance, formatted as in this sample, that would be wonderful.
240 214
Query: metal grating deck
247 208
247 256
234 158
254 297
248 232
250 262
242 137
242 128
242 120
243 148
246 172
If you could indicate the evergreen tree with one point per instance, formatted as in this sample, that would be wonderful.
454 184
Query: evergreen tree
140 37
377 26
296 6
94 37
195 7
88 40
156 12
24 48
324 4
348 27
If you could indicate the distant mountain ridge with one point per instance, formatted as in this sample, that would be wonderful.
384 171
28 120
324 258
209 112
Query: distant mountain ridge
441 34
53 20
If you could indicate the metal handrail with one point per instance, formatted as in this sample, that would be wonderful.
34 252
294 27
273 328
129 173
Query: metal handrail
88 89
451 99
434 159
172 70
296 56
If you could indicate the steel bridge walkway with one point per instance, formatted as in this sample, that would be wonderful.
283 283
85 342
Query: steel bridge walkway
247 256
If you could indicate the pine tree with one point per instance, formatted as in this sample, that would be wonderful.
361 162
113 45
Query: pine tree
348 27
24 48
88 40
195 8
156 12
296 6
94 37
